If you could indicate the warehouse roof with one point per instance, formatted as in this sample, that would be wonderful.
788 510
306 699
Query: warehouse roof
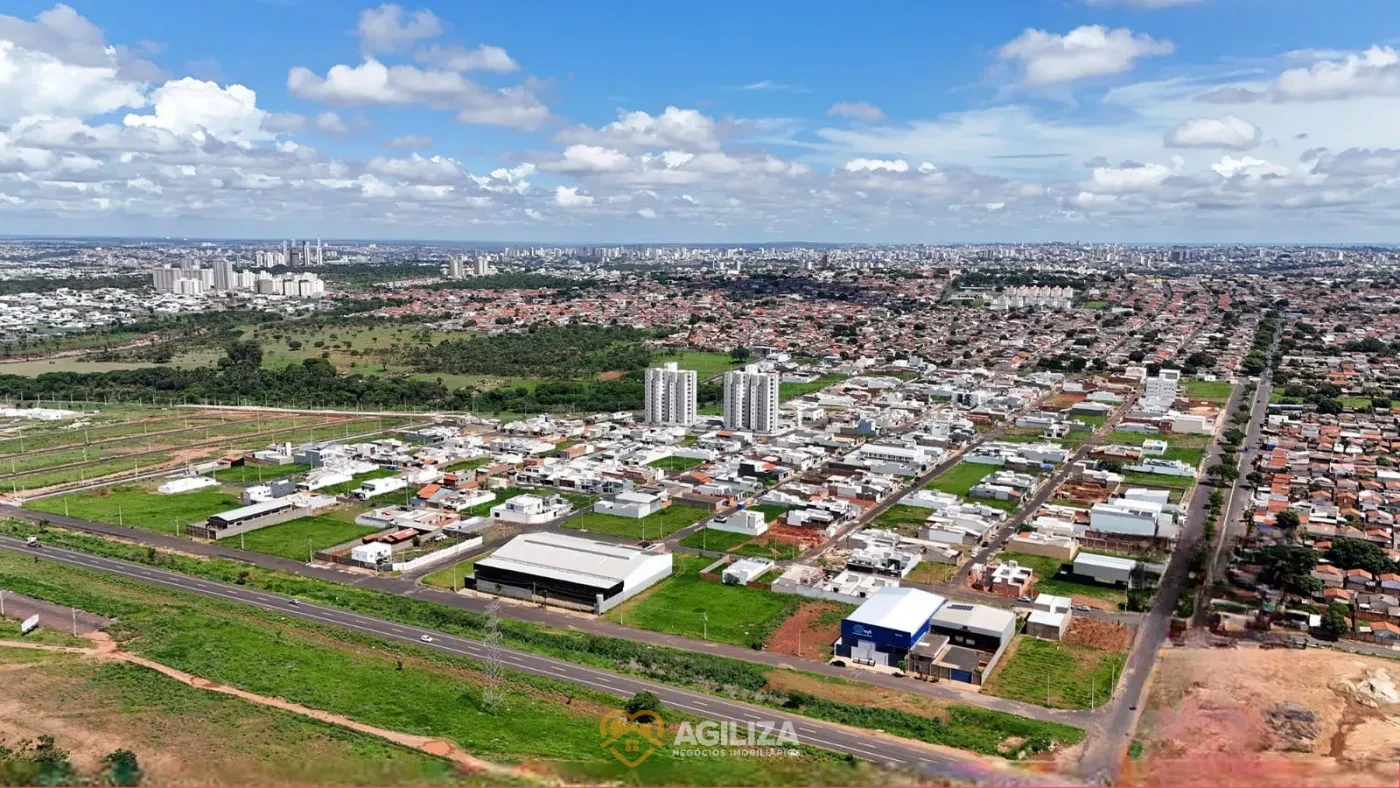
899 609
254 510
974 618
1105 562
571 558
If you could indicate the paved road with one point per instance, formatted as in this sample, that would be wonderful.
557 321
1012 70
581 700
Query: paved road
1105 751
55 617
883 749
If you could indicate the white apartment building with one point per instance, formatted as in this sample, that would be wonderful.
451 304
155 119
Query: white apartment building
1162 389
670 395
751 401
1124 517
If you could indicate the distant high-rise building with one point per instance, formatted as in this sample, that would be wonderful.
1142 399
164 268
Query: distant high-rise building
670 395
286 252
223 275
306 253
751 401
320 250
483 265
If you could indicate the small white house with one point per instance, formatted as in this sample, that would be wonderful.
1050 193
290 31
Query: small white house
371 553
745 571
530 509
635 505
744 521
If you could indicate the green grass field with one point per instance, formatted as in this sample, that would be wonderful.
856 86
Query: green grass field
298 539
960 478
1045 581
711 539
904 520
138 507
1216 391
655 526
1138 478
258 474
931 573
676 464
705 364
685 604
1067 672
450 576
766 547
787 391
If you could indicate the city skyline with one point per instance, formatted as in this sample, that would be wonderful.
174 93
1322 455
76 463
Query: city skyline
1094 121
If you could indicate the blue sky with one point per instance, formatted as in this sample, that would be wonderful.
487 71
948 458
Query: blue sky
1107 120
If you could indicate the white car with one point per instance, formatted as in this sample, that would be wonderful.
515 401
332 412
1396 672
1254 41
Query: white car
426 638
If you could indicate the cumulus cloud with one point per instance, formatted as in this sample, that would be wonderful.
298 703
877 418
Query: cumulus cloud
195 108
1230 131
588 159
457 58
1089 51
33 82
1247 166
856 110
1375 72
875 165
387 29
373 83
1131 176
569 197
646 213
674 127
330 123
409 141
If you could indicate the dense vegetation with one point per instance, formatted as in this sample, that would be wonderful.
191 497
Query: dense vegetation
12 286
555 351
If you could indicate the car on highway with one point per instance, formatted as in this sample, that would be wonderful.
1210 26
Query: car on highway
294 601
426 638
32 541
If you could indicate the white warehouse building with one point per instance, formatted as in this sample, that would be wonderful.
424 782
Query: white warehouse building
570 570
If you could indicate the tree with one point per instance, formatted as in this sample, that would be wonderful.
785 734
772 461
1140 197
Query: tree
1329 406
644 702
740 354
1287 519
1356 554
121 768
1334 622
1289 566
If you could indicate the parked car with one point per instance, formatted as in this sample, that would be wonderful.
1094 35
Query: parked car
1083 608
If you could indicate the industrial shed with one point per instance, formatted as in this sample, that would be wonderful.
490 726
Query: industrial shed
887 626
570 570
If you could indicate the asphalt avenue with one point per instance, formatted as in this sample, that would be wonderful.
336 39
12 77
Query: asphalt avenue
876 747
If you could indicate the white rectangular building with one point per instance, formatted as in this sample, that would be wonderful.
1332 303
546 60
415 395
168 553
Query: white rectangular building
571 570
670 395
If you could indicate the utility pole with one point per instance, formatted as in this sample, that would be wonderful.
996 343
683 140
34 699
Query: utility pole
492 693
2 603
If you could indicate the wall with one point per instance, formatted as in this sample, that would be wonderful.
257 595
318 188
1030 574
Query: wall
437 555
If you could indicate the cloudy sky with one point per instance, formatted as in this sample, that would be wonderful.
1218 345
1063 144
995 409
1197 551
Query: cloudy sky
1014 120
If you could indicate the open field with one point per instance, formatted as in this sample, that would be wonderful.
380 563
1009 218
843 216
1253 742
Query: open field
136 506
102 427
902 519
1046 582
787 391
676 464
811 630
1216 391
1173 439
165 721
767 547
655 526
257 474
1213 717
994 734
401 687
1140 479
960 478
931 573
299 539
706 365
1059 675
686 604
31 369
450 576
711 539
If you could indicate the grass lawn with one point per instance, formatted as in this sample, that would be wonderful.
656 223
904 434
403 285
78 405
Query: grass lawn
138 507
676 464
705 364
770 511
960 478
354 484
767 547
655 526
932 573
1097 304
1095 420
1046 582
1006 506
257 474
292 539
1217 391
1140 479
1355 403
1068 671
685 604
712 539
787 391
902 519
450 576
1174 440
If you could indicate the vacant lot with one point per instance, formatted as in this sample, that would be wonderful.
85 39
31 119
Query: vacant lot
711 539
1047 582
300 539
1059 675
811 631
139 507
787 391
654 526
904 520
1140 479
676 464
932 573
706 365
686 604
1217 391
258 474
960 478
766 547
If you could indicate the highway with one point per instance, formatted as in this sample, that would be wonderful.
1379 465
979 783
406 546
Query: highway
879 748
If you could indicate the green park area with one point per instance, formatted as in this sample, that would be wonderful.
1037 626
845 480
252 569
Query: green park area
1216 391
138 506
787 391
1060 675
687 604
654 526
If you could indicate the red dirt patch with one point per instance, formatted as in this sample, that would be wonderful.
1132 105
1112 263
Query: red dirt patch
614 375
1102 635
806 628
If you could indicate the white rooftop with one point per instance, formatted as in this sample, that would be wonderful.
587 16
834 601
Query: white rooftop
1105 561
551 553
899 609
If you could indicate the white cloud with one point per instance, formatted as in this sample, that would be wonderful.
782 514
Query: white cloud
37 83
856 110
418 169
195 108
409 141
674 127
1375 72
875 165
373 83
384 29
1130 177
483 58
534 214
585 159
330 123
569 197
1230 131
1088 51
646 213
1248 166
